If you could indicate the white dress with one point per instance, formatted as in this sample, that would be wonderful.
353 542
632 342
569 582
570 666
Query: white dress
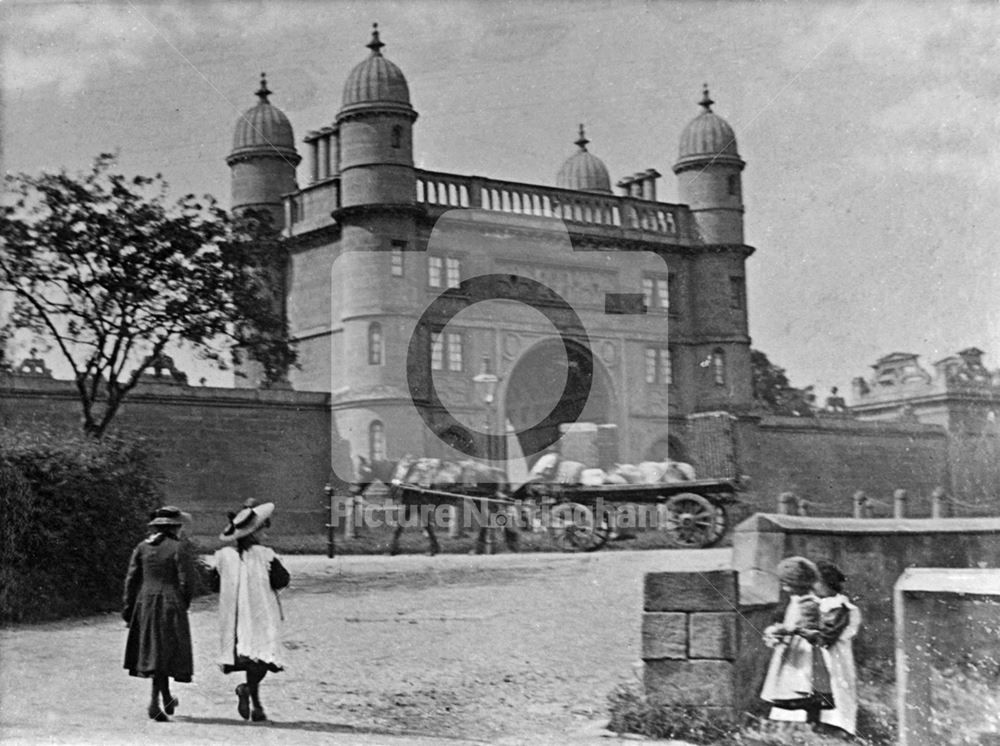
839 658
249 613
789 675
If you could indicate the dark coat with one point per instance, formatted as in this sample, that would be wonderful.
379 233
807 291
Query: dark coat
158 589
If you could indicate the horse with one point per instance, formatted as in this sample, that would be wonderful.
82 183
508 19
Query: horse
459 478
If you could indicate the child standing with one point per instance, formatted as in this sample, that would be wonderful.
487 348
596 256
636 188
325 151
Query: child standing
839 623
790 682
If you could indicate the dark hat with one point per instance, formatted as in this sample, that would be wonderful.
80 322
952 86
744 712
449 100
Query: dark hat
168 516
246 521
797 572
831 575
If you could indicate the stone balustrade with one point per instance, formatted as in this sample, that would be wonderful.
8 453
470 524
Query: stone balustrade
451 190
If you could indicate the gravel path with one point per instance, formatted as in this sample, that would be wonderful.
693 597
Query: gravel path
504 649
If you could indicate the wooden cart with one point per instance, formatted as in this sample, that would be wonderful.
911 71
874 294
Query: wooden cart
583 518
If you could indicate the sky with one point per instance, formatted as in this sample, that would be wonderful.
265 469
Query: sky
870 130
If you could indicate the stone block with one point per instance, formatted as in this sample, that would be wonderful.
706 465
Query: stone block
690 591
698 683
712 635
664 635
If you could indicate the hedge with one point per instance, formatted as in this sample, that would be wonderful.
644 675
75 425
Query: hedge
71 510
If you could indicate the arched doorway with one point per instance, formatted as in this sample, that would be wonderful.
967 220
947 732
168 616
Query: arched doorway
534 402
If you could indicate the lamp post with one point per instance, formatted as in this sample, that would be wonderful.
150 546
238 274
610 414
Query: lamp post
486 382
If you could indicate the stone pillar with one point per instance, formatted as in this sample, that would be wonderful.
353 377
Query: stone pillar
861 507
941 506
899 498
787 503
689 640
324 156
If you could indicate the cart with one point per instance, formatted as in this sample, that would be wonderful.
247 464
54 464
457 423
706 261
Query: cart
583 518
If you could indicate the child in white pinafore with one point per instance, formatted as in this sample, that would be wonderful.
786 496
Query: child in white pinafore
839 623
789 685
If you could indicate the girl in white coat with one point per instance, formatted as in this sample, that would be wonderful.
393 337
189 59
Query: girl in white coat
248 578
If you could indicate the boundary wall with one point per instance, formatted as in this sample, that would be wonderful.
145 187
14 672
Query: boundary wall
216 446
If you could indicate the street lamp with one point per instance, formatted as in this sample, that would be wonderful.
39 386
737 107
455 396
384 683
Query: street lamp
486 382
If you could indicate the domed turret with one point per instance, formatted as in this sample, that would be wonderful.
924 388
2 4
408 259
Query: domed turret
708 176
376 80
263 126
584 171
375 128
263 159
707 136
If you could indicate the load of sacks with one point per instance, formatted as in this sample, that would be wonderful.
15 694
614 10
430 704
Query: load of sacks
552 468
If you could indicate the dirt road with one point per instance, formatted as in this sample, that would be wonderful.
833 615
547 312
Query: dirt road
504 649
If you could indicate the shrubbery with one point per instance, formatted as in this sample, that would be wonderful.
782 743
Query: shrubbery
71 510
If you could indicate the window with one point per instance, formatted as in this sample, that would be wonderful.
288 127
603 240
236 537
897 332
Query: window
453 272
434 267
437 351
375 347
656 293
734 185
719 367
397 137
396 258
737 293
447 351
659 366
455 351
376 441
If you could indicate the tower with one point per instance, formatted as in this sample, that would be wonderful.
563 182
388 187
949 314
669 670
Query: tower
263 159
262 169
708 172
376 285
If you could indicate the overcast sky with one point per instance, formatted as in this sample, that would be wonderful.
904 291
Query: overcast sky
870 130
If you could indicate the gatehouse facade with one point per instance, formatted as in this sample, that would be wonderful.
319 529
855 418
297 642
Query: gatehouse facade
657 322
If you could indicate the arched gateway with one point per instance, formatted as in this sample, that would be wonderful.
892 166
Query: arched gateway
535 403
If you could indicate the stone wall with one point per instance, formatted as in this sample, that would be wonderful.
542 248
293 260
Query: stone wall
690 628
873 553
826 460
217 447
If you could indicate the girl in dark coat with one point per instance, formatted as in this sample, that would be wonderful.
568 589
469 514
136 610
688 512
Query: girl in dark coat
158 591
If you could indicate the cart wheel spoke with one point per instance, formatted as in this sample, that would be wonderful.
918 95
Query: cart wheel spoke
573 528
693 520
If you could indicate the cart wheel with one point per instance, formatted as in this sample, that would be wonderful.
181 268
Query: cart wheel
693 521
573 528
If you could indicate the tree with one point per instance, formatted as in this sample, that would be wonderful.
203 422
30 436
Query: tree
103 267
774 393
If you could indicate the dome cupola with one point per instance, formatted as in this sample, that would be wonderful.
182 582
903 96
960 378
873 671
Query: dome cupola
708 137
376 80
584 171
263 129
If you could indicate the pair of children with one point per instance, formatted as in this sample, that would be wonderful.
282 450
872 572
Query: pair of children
811 676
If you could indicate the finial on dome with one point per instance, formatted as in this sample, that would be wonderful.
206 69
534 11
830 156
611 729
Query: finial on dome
263 92
582 142
375 44
706 100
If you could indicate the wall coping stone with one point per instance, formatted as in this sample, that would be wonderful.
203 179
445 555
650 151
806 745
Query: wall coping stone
958 580
851 426
778 523
171 393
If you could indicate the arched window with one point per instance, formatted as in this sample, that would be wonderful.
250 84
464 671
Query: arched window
376 441
397 136
734 185
719 366
376 353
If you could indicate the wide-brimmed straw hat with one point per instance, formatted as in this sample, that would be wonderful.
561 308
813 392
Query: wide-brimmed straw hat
168 517
246 521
